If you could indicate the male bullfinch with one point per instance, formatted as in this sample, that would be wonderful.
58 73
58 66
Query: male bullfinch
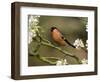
59 38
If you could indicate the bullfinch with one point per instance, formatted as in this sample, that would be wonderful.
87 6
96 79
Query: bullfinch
59 38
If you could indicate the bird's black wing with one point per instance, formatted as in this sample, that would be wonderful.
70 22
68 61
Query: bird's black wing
68 42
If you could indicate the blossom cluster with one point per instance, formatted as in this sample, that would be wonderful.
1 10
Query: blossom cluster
62 62
84 61
33 27
78 43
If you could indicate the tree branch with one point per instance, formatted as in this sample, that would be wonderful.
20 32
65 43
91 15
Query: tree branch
63 51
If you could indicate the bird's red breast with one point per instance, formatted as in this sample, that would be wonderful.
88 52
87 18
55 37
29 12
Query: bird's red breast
57 37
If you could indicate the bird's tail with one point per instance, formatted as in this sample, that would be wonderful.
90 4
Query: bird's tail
69 43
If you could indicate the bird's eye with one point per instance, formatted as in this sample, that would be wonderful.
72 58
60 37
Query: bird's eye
52 28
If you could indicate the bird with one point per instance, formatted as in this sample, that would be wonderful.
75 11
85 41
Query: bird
58 37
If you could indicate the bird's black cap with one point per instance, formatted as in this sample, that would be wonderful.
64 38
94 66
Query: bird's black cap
52 28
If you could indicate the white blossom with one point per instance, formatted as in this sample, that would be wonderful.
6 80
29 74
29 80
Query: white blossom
78 43
84 61
62 62
33 27
86 44
65 62
32 34
86 28
33 20
59 62
30 37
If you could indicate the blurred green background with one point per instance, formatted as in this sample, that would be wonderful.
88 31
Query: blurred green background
71 27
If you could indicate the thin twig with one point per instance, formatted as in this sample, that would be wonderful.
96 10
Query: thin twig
46 60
